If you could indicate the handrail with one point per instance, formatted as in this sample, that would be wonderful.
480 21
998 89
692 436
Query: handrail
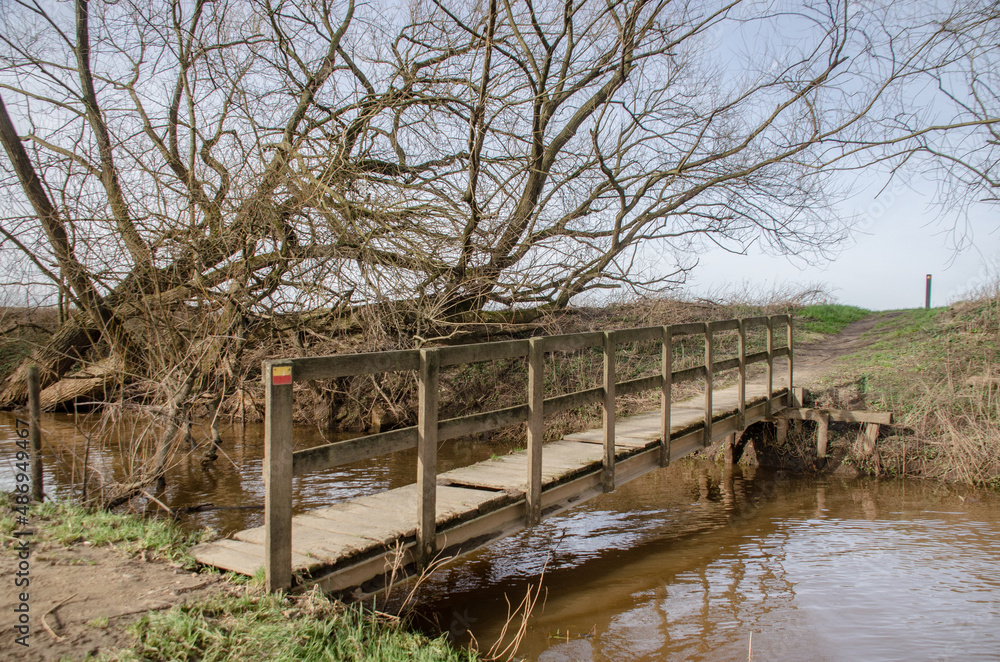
281 464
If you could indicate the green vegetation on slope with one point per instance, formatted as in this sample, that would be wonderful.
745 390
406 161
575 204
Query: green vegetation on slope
937 370
827 318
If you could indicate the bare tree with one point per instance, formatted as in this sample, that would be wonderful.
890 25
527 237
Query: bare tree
189 172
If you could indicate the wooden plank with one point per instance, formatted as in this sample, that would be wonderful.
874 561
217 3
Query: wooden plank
697 372
240 557
347 365
742 382
779 352
464 426
638 385
689 329
750 322
725 325
339 453
728 364
608 414
315 546
427 441
536 429
485 351
277 468
839 415
643 334
756 357
571 342
560 403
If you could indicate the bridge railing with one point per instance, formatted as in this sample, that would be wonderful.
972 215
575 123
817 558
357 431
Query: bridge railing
282 463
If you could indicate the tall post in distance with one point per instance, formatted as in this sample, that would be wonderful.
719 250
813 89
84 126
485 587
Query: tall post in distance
35 434
927 294
278 446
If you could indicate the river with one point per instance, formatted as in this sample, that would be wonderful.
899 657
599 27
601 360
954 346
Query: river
689 563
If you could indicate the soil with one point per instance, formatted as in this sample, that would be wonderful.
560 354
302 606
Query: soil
815 361
81 598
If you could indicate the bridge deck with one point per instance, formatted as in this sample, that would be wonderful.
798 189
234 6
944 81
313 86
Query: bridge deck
353 545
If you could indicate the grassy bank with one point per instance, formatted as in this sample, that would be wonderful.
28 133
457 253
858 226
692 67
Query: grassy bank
938 370
234 619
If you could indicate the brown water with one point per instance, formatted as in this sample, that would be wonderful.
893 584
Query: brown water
683 564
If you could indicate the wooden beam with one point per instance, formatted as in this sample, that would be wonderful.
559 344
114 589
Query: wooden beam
822 435
278 444
770 362
709 350
35 433
427 441
347 365
536 429
839 415
665 395
791 383
610 378
484 351
742 388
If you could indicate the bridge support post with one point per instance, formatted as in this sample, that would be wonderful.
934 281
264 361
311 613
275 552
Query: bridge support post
668 367
536 428
610 379
727 450
791 384
277 376
742 413
709 359
35 434
822 435
770 366
427 438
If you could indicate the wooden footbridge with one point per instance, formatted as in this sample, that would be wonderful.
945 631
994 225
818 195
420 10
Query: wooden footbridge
353 545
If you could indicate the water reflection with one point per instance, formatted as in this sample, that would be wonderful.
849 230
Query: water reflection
683 564
686 563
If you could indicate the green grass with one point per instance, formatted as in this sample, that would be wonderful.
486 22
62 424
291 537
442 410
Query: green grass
69 524
257 626
828 318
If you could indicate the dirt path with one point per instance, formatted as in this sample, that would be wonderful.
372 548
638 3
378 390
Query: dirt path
815 361
81 597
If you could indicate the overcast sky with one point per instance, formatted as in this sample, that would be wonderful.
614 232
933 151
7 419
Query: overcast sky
900 238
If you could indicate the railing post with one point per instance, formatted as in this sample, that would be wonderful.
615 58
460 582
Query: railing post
668 367
770 365
35 433
709 350
536 428
742 415
427 437
610 378
278 446
791 384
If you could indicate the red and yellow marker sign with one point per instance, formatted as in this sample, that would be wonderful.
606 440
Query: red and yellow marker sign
281 375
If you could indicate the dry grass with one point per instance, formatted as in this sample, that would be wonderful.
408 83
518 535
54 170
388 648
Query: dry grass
939 372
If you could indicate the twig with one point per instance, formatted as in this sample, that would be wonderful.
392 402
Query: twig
52 609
